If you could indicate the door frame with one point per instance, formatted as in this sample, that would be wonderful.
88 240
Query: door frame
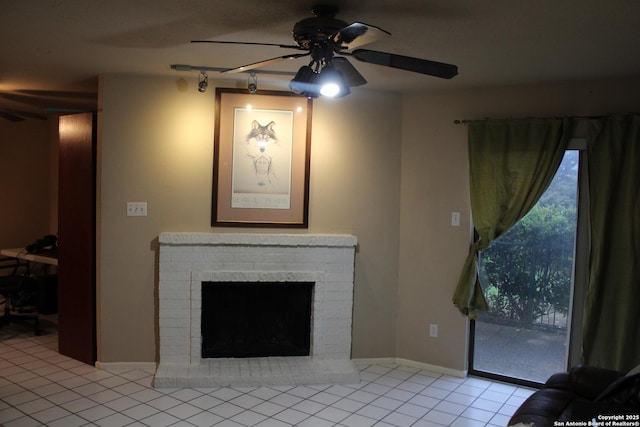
579 282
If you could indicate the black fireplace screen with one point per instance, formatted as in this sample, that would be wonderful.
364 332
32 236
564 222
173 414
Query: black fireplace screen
256 319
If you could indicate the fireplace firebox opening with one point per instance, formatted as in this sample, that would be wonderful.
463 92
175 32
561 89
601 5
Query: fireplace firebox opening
256 319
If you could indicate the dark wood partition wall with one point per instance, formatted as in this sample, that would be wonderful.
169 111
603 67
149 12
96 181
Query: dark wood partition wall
76 237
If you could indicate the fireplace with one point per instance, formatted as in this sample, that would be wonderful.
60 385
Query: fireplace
256 319
191 263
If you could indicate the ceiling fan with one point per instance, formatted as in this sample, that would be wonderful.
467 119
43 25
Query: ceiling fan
328 41
18 105
13 115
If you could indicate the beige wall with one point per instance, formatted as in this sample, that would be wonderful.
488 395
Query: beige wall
435 182
26 175
157 146
388 169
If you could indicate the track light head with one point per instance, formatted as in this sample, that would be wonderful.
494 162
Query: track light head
203 82
252 84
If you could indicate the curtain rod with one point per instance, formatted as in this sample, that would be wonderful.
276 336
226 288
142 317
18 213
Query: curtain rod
467 121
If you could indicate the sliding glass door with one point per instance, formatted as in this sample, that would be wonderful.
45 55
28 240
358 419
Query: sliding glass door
527 276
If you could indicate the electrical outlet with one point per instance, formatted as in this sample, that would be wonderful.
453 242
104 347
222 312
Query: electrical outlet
136 208
433 330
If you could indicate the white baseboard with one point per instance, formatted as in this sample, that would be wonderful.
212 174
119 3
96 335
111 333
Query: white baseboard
413 364
126 366
375 361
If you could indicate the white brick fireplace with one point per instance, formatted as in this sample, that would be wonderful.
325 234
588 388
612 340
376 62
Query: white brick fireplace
189 259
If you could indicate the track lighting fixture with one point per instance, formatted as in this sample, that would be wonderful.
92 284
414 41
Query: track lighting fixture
319 78
252 84
203 82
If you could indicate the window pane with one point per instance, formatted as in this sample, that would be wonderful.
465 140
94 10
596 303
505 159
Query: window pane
527 277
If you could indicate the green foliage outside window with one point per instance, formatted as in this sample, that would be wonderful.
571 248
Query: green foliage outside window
527 273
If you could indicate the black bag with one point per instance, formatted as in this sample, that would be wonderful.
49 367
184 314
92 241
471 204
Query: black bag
48 244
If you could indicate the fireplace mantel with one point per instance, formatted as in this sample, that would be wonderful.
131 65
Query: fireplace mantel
189 259
258 239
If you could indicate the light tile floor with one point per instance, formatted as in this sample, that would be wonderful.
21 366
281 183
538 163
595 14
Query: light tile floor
38 386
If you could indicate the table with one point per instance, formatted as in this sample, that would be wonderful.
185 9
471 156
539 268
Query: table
48 285
21 253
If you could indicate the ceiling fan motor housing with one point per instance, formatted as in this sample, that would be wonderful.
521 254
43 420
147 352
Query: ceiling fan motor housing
316 30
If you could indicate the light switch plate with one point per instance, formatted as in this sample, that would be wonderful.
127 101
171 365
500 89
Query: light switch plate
455 219
433 330
136 208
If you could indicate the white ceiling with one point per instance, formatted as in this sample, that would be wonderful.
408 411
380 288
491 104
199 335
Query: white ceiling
64 44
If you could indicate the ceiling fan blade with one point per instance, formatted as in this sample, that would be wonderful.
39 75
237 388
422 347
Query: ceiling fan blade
358 34
351 76
284 46
417 65
26 114
265 62
44 99
11 117
92 96
11 96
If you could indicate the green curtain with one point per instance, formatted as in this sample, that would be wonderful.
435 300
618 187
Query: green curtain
511 164
611 332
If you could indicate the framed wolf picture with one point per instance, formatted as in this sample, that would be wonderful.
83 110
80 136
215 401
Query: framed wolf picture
261 159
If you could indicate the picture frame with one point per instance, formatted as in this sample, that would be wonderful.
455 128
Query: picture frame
261 159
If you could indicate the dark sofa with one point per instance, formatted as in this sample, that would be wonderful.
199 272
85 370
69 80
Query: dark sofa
582 394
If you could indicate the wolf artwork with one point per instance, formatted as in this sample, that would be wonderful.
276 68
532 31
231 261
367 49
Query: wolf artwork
257 141
262 153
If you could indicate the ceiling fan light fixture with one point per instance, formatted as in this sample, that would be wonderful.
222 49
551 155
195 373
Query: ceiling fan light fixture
332 84
304 82
203 82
